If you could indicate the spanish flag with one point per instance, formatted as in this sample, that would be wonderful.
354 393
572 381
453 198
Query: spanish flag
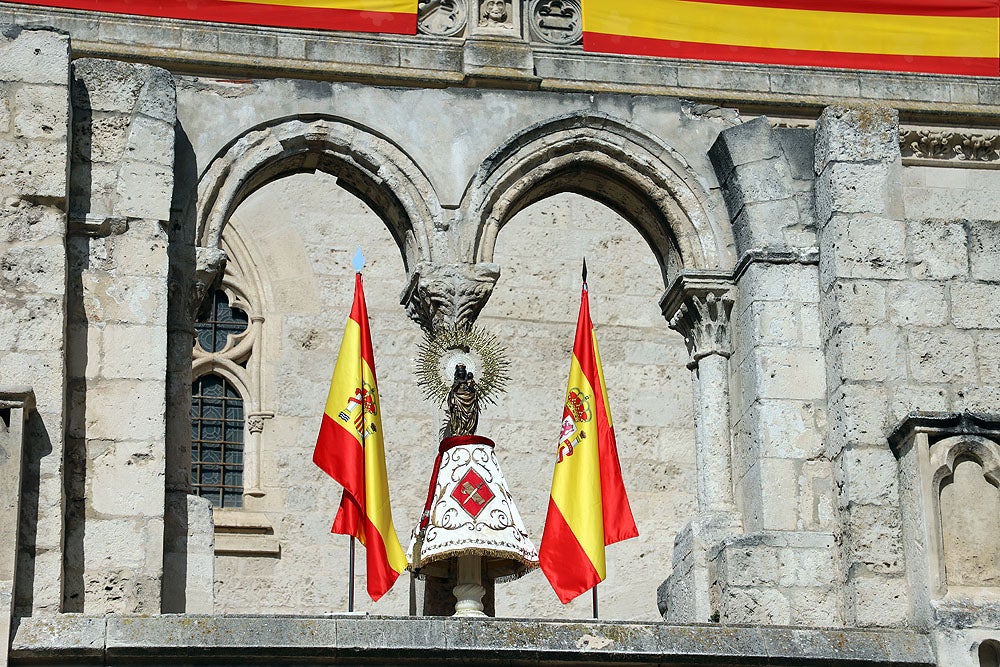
350 449
588 508
933 36
391 16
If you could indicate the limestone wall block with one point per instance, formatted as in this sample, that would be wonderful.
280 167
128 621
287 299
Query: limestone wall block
755 606
785 428
773 322
134 352
863 133
875 539
25 324
34 56
988 355
777 282
856 302
753 565
144 190
150 140
789 373
817 495
876 601
869 476
868 247
977 398
100 136
804 567
138 299
975 306
132 407
920 304
938 249
33 167
855 189
40 112
37 269
742 144
24 222
858 414
4 110
45 370
984 250
867 353
942 356
909 397
760 181
107 85
112 493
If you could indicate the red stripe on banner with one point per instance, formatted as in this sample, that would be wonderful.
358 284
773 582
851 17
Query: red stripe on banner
340 455
966 8
380 574
284 16
564 562
665 48
359 313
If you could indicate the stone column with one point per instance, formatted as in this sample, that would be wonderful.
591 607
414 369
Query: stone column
698 306
699 309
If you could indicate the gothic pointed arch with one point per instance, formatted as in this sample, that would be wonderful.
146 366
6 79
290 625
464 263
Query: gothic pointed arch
633 173
366 164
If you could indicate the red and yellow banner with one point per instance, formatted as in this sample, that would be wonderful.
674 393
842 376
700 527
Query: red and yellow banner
350 449
934 36
588 508
392 16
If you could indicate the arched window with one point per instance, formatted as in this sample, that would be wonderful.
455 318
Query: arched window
220 321
989 654
217 441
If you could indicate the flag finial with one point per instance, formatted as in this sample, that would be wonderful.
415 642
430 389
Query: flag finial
584 270
359 260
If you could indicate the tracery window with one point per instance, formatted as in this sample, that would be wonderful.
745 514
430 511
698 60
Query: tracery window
217 441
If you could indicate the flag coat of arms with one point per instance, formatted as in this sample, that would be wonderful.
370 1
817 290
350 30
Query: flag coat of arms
588 507
351 450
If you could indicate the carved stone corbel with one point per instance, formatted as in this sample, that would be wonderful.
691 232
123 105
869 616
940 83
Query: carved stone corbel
210 265
444 295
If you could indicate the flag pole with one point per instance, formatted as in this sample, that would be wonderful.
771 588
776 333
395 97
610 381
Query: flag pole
594 589
350 575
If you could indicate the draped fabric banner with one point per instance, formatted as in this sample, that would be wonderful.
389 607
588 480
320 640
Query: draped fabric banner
351 450
392 16
932 36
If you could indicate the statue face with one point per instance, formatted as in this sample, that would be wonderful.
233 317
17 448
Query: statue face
495 10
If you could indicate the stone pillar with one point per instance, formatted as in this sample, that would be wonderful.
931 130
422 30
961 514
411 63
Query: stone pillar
16 403
34 148
698 306
121 194
863 246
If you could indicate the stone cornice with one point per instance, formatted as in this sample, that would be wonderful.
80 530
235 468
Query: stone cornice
240 52
418 641
938 425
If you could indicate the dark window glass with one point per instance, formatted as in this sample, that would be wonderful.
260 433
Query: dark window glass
217 441
220 321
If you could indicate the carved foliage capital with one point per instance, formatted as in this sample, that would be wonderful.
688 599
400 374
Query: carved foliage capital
699 308
443 295
210 264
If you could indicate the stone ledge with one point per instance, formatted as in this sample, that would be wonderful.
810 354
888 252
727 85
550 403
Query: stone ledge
176 639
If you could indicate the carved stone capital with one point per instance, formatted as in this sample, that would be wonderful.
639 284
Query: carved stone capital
442 295
210 264
698 306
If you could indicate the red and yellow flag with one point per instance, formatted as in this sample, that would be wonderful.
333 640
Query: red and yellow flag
588 508
392 16
350 449
934 36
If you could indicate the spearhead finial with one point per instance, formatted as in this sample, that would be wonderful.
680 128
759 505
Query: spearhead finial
584 270
359 260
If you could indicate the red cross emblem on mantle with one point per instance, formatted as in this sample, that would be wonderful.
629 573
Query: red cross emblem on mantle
472 493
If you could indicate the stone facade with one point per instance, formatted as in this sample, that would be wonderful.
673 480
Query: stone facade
797 319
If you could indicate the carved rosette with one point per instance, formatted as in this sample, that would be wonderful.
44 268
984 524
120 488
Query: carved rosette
442 18
448 295
699 308
558 22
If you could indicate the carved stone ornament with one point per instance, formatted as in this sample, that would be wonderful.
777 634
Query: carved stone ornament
495 14
442 18
699 308
558 22
447 295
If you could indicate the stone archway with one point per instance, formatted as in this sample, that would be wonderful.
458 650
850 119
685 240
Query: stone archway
633 173
365 164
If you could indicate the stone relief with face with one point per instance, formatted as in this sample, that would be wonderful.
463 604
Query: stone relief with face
493 13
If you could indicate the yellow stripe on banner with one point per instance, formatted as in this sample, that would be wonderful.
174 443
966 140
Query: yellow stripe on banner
576 483
342 398
377 484
736 25
400 6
